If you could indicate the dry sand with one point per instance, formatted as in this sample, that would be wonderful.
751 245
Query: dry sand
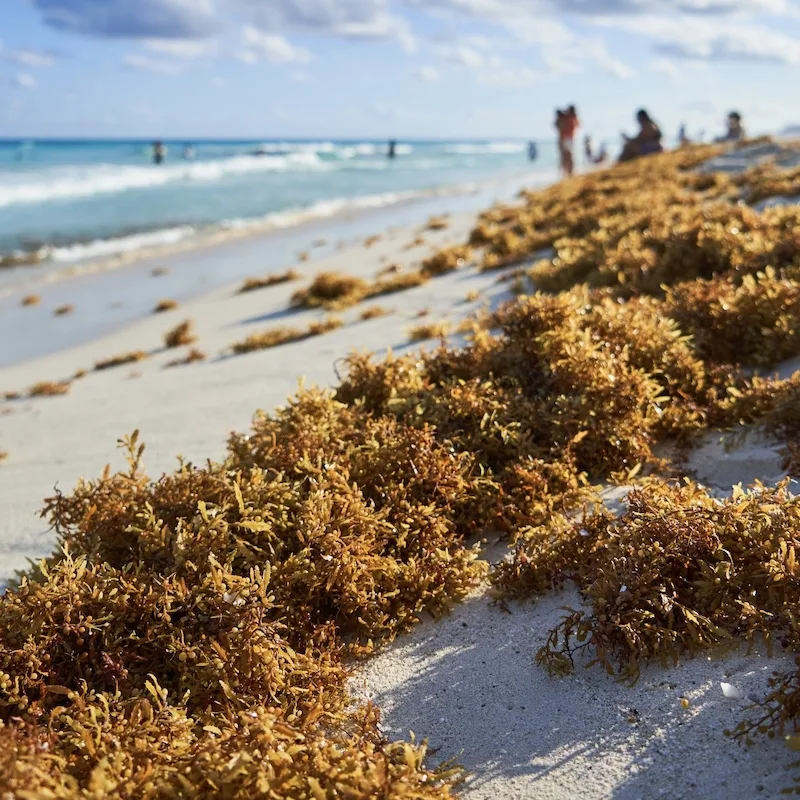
469 683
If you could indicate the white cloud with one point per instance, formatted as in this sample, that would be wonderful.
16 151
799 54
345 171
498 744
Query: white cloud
271 47
246 57
665 66
146 64
183 48
462 55
512 11
357 19
428 74
596 51
510 76
24 81
31 58
715 40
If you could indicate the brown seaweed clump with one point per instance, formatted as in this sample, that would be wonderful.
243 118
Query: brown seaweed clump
49 388
31 300
753 322
198 622
431 330
633 231
332 291
253 284
437 223
194 355
447 260
769 180
165 305
180 335
274 337
374 312
62 311
679 572
398 282
120 360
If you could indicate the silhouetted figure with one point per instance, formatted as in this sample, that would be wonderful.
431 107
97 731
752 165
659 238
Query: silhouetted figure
392 149
735 130
533 151
683 137
646 142
587 148
159 152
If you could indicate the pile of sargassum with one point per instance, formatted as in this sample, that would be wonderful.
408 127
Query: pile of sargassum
192 637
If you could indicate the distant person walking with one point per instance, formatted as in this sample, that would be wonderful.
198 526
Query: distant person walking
567 125
646 142
683 138
159 152
587 148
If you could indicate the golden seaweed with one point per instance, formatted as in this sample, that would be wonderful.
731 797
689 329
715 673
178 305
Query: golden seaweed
180 335
274 337
253 284
165 305
332 291
120 360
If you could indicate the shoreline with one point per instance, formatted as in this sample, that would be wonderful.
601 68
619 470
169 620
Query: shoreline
116 292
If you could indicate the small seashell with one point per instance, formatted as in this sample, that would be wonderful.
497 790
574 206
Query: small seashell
731 692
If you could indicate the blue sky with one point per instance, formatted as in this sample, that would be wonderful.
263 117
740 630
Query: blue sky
380 68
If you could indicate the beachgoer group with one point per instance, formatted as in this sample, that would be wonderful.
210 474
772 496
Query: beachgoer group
647 141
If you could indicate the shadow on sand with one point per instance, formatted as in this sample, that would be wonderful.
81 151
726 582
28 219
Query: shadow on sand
470 684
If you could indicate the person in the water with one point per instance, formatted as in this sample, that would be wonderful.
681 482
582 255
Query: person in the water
159 152
392 148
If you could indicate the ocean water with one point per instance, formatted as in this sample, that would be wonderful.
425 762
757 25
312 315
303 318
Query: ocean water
67 201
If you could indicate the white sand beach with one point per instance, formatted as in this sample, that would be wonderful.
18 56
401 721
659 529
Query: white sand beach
468 683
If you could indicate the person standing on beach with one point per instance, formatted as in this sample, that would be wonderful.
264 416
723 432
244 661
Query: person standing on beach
533 151
567 125
587 149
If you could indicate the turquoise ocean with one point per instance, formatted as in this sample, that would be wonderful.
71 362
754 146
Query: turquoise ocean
67 201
